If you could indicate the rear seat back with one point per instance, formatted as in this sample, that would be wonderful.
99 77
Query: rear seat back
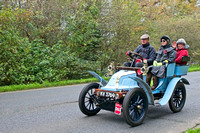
178 70
181 70
170 69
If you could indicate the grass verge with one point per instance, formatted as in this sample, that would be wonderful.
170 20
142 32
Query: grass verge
193 68
46 84
197 130
62 83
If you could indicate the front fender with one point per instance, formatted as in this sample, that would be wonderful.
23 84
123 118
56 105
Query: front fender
146 89
101 80
170 89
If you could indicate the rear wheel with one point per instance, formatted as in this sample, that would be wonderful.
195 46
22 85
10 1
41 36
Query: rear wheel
87 101
135 106
177 100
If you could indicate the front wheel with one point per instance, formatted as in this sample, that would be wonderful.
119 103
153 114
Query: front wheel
178 98
87 101
135 106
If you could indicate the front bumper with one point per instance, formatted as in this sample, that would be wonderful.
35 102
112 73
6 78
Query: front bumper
107 99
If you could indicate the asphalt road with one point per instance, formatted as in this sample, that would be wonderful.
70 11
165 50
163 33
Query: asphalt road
56 110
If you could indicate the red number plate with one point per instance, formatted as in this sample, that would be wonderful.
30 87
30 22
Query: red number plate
118 108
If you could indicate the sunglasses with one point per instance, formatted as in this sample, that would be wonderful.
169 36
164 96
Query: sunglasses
163 41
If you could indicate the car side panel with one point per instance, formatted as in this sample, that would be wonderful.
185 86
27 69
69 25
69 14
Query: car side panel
170 89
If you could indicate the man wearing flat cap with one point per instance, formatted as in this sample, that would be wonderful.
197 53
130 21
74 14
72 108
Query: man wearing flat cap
145 50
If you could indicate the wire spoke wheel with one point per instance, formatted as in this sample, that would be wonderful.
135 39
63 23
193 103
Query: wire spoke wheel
135 106
87 100
178 98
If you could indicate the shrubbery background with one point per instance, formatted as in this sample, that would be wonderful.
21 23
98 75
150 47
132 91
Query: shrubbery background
61 39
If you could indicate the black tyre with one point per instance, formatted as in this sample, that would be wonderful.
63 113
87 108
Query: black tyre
177 100
135 106
87 103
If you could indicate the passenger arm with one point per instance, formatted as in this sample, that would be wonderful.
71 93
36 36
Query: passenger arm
172 56
152 56
179 58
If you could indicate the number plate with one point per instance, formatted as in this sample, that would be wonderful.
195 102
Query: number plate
118 108
107 94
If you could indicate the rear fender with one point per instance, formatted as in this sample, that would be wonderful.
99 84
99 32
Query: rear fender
101 80
146 89
185 81
170 89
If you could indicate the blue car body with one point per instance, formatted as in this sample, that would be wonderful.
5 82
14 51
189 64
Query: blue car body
126 80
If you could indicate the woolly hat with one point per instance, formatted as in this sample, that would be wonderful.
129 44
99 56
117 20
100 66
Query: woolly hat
144 36
165 38
182 41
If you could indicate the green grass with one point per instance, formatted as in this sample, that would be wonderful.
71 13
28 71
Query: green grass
62 83
193 68
46 84
197 130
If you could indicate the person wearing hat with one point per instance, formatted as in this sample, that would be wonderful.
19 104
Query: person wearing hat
166 54
181 49
145 50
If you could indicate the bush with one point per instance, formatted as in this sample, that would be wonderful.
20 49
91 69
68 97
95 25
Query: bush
60 40
28 62
24 59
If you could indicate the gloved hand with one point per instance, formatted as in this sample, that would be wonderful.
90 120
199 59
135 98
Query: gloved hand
138 60
145 61
128 53
139 64
155 63
165 62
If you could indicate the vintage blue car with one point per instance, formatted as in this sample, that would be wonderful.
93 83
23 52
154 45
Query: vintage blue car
127 94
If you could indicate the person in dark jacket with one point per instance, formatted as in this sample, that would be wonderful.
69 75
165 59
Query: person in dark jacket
166 54
145 50
181 49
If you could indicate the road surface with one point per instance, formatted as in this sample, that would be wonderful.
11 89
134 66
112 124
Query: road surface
55 110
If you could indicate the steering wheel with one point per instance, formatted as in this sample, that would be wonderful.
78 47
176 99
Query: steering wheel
134 53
